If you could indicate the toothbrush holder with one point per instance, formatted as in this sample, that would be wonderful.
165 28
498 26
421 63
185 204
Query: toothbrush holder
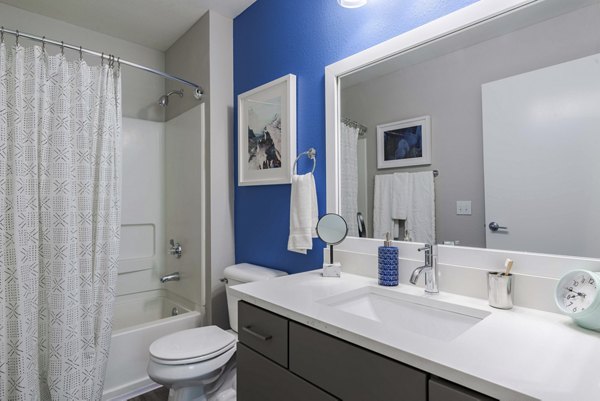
500 290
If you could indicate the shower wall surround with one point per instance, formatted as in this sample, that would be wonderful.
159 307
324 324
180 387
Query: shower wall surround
143 242
277 37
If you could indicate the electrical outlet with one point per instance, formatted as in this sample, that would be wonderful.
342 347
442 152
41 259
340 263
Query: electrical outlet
463 208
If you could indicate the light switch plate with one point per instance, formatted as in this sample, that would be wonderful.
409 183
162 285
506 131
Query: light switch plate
463 208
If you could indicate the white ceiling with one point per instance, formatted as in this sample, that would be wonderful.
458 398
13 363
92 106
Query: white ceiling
152 23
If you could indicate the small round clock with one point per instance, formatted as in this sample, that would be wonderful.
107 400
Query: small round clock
577 296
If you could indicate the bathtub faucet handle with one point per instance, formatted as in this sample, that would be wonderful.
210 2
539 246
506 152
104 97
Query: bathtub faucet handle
176 248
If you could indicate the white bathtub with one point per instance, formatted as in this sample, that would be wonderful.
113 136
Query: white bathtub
139 320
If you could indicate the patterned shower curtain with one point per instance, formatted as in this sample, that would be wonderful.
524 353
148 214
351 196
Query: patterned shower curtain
349 177
60 160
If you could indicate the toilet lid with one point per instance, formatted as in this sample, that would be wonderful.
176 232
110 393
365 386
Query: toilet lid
198 344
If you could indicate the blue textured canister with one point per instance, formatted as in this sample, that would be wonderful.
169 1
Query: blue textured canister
388 263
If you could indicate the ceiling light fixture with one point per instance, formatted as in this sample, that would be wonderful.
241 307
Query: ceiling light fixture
352 3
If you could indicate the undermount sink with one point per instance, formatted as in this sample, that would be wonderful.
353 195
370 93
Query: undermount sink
403 312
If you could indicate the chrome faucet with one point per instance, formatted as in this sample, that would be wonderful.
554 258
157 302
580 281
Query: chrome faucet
430 269
170 277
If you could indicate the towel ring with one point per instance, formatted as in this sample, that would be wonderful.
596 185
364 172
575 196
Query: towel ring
311 154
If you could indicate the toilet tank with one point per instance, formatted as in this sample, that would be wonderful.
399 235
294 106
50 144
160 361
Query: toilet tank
240 274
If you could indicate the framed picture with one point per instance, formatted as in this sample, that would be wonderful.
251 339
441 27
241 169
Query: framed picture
267 133
404 143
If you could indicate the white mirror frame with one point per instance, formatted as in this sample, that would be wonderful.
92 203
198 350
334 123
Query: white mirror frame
466 18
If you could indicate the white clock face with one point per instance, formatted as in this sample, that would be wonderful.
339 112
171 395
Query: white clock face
577 292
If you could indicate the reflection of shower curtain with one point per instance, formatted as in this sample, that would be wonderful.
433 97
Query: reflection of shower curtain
349 177
60 159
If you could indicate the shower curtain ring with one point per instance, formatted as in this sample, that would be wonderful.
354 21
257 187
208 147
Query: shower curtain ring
17 41
62 48
80 54
118 62
43 43
102 59
2 34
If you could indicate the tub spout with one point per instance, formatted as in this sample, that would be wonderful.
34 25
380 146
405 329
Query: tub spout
170 277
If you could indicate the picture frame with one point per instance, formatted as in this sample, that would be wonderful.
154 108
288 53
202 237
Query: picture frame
404 143
267 133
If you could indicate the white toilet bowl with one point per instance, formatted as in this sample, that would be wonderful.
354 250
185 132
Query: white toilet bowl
190 362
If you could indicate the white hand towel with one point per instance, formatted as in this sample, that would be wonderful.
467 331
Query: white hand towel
400 196
421 219
382 208
304 213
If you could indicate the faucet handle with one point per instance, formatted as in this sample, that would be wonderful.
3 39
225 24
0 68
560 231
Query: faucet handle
426 248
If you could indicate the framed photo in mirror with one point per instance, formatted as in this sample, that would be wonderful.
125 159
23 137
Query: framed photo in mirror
404 143
267 133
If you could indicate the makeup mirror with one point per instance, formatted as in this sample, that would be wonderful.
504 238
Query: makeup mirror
332 229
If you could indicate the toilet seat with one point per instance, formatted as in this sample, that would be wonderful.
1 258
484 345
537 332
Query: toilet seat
191 346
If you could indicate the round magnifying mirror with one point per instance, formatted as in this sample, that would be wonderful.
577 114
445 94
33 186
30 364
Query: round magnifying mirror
332 229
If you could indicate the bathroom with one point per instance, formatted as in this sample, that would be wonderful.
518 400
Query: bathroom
339 65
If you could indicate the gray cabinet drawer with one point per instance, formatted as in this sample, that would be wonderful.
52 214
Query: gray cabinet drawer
264 332
259 379
350 372
442 390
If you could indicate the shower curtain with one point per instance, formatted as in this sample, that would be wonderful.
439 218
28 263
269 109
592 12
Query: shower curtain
60 160
349 177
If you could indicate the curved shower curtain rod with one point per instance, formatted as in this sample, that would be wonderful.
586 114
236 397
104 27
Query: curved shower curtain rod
198 91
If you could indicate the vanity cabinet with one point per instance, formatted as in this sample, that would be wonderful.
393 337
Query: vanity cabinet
259 379
442 390
264 332
279 359
350 372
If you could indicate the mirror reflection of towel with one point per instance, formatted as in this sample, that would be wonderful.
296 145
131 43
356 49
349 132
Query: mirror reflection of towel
405 196
401 195
304 213
420 223
382 209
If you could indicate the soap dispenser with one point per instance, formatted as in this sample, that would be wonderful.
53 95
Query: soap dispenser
388 263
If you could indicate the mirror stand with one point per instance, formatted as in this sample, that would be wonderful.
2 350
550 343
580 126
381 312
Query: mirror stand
332 229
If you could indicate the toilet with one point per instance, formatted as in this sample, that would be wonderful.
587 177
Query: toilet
198 364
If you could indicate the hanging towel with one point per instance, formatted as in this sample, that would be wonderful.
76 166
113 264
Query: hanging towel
401 196
382 208
420 222
303 213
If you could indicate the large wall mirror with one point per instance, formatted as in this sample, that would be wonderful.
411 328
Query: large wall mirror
488 136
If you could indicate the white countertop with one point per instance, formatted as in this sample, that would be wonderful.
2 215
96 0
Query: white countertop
517 354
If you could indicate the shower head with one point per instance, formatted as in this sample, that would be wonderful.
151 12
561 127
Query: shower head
163 101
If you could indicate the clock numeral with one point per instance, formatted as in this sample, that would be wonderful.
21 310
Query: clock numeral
575 309
575 283
592 282
570 303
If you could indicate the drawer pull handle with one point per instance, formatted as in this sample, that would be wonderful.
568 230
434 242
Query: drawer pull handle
248 329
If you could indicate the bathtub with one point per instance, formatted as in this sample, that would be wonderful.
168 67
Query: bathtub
138 320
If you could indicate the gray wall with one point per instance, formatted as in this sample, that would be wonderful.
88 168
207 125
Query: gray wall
204 55
141 90
448 89
189 58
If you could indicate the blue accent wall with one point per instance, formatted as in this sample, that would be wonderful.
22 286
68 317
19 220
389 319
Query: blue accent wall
273 38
